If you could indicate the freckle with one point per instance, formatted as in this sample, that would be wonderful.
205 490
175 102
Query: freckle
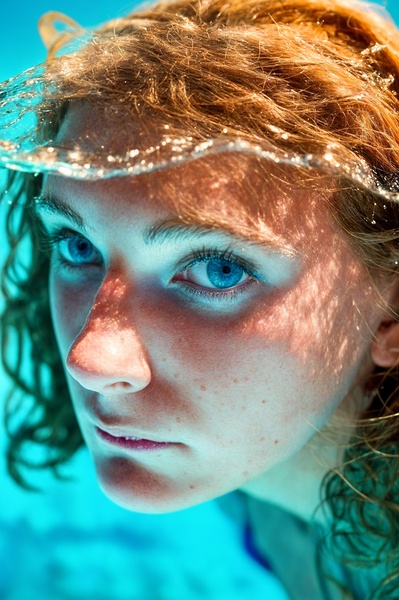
243 407
263 401
192 487
276 441
245 473
262 439
203 388
235 380
250 462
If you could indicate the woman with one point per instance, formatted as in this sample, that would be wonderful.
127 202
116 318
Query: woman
213 291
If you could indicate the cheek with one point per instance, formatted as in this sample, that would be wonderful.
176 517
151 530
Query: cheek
242 386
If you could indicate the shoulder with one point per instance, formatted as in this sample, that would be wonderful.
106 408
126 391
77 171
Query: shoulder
295 552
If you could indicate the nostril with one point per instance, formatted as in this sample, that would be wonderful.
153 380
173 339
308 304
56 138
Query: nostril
119 385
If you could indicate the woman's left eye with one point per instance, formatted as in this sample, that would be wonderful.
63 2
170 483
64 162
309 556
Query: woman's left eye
215 274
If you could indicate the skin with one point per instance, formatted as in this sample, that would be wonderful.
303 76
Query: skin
241 387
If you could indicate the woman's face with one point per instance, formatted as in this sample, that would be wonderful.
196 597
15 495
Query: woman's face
225 354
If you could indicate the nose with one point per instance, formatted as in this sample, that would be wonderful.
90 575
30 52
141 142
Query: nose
108 355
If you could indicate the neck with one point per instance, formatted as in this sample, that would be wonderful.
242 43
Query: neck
295 484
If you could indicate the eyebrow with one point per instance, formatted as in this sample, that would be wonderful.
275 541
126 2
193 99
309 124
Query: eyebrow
55 206
182 229
168 230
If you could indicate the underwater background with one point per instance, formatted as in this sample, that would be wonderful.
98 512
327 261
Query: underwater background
69 542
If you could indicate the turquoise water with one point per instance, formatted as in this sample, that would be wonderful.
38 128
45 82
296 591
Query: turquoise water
71 543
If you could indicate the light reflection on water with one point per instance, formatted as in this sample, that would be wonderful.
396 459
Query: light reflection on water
22 147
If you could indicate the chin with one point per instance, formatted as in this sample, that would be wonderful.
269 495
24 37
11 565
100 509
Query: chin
135 488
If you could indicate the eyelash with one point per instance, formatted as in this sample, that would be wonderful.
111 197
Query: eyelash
50 242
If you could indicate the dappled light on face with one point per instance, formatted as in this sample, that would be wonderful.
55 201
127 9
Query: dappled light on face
251 198
320 319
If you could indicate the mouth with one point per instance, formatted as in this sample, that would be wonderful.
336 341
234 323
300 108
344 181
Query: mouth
131 442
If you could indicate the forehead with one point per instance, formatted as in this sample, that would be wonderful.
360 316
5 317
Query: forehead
251 197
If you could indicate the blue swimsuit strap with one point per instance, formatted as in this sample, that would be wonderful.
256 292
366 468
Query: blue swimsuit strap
252 550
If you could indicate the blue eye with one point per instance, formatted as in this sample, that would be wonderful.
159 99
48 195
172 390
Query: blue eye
73 250
218 275
223 273
77 250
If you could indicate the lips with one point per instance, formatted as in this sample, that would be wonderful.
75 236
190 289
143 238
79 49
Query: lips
127 435
133 443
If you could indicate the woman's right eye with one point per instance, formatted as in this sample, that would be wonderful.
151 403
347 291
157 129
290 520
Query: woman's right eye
74 250
78 250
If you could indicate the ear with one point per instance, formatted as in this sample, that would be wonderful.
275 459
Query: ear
385 347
